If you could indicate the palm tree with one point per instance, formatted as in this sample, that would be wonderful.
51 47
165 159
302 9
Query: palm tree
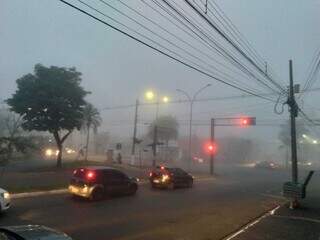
91 120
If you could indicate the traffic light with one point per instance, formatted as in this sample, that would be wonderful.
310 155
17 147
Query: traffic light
210 147
247 121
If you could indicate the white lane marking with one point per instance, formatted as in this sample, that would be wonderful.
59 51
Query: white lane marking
251 224
65 190
298 218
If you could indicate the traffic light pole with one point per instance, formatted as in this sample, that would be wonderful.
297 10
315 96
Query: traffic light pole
154 145
212 152
133 149
293 115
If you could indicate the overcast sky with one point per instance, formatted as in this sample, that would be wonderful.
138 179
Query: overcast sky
117 70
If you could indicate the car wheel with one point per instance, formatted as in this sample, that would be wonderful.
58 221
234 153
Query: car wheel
133 189
97 194
171 186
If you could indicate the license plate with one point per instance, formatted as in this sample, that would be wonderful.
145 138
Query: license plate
156 181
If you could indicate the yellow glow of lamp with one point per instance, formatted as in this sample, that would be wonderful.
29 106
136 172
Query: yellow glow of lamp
149 95
165 99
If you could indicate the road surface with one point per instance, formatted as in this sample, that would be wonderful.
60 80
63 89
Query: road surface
211 210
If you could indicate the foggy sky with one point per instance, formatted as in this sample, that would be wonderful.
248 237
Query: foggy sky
118 70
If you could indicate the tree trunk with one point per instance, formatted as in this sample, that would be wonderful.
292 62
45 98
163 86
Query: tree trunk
87 145
59 157
59 146
59 142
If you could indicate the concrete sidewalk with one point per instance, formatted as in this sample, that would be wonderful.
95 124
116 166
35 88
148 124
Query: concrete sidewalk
285 223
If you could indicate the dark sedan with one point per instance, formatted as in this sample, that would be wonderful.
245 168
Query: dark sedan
164 177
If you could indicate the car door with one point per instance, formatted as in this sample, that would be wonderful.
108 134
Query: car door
183 177
109 182
120 181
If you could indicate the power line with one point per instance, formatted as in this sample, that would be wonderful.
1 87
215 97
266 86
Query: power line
160 51
208 99
151 40
233 44
204 43
218 47
233 27
165 39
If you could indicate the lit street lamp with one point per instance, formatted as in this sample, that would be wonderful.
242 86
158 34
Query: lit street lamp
191 100
151 96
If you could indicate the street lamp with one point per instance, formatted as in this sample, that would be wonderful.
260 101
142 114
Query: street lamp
191 100
150 95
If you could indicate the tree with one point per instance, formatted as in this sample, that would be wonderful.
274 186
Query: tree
91 120
167 128
51 99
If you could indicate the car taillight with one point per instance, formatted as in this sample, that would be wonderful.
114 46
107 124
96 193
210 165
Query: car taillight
74 172
150 174
90 175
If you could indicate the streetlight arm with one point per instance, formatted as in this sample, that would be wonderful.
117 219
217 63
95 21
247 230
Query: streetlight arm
199 91
185 93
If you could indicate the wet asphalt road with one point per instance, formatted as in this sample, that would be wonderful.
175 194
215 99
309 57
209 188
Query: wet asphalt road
210 210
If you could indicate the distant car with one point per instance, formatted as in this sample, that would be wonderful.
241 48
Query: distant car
164 177
266 165
31 232
96 182
4 200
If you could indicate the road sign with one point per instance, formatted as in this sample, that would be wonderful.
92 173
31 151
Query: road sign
118 146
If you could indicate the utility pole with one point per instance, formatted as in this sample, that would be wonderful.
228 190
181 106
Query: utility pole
212 152
293 115
206 7
190 136
133 149
154 145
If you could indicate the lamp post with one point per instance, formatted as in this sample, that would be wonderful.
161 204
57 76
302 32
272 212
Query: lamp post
191 101
150 95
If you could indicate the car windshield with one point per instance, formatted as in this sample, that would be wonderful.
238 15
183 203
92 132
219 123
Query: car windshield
161 119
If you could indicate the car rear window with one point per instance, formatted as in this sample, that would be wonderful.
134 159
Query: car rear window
79 173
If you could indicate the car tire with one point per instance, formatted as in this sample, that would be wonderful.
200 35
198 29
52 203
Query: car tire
133 189
97 194
171 186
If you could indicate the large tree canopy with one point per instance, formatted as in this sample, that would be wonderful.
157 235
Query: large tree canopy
167 128
51 100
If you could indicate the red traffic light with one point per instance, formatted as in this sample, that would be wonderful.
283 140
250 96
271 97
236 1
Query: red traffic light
247 121
210 148
244 121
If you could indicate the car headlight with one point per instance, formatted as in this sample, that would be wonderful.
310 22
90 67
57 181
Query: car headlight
5 195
